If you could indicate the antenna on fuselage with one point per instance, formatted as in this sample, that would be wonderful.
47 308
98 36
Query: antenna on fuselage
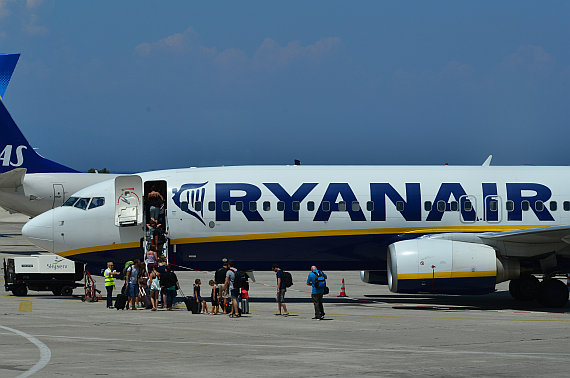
487 162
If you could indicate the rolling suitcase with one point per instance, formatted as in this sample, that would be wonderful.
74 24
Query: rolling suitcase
121 301
145 299
190 302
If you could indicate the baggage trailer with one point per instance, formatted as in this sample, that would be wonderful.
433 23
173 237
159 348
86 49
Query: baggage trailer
42 273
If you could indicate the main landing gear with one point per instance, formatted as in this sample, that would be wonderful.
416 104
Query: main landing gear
549 293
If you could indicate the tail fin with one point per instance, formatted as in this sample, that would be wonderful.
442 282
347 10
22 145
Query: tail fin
7 65
16 152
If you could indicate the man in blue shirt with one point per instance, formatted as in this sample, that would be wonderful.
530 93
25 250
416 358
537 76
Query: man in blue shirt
317 279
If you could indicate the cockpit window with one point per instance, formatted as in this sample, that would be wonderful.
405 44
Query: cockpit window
70 201
97 202
82 203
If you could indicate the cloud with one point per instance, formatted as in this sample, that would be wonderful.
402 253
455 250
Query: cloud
32 27
269 55
31 4
4 11
531 58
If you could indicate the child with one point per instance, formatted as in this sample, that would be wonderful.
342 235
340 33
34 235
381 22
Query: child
244 301
198 297
215 298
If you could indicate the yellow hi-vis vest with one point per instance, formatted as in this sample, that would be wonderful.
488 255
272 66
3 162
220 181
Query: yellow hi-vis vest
109 279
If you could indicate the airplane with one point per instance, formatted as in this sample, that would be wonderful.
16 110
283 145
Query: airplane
7 65
29 183
419 229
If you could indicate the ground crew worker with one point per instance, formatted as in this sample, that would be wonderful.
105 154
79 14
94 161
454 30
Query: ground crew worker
110 283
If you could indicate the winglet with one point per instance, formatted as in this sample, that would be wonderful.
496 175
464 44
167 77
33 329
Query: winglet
7 66
487 162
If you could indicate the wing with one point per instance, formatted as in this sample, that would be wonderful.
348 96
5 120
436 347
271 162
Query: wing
530 242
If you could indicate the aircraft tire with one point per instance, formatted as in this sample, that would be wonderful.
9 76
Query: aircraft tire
524 288
67 291
20 291
552 293
57 291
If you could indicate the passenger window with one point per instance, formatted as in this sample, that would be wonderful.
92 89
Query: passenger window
70 201
493 205
553 206
266 206
239 205
427 205
453 206
97 202
355 206
525 205
296 205
370 206
212 206
252 206
326 206
467 206
198 206
539 205
566 205
280 206
226 206
310 206
510 205
400 205
342 206
82 203
441 206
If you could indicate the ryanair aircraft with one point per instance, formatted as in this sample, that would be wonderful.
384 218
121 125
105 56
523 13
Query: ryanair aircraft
419 229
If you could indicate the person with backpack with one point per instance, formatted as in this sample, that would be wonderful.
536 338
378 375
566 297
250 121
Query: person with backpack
281 289
234 291
220 278
132 281
318 280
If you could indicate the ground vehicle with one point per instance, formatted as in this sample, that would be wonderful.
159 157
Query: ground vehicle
42 273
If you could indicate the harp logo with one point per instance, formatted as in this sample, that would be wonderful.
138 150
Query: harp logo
187 197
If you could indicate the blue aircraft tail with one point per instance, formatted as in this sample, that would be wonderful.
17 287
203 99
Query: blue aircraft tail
16 152
7 65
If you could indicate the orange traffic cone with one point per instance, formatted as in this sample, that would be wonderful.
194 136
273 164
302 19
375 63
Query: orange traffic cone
343 290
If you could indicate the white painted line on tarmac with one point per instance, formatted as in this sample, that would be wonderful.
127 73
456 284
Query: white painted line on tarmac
344 348
45 352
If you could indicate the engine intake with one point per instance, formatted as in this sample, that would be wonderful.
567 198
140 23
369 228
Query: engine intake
442 267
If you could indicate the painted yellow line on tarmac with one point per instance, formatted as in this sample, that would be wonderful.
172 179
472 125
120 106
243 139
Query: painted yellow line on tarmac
431 317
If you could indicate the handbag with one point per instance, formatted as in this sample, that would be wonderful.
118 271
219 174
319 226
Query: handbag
326 290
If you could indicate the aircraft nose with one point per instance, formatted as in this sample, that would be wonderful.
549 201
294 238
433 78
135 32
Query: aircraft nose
39 230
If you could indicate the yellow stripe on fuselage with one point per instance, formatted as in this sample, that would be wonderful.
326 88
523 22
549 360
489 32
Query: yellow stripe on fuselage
368 231
310 234
424 276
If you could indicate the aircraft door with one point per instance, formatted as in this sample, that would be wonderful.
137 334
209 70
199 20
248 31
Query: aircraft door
58 195
492 208
128 200
468 209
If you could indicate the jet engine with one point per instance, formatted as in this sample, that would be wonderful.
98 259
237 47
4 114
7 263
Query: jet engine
446 267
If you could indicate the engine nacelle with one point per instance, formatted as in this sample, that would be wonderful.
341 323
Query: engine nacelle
375 277
441 266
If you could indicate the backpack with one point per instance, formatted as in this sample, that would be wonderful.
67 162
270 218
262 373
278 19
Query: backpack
128 264
240 280
287 279
320 281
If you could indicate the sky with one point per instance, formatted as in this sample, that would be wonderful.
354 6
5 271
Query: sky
144 85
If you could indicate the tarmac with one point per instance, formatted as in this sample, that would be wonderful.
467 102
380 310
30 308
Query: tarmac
370 333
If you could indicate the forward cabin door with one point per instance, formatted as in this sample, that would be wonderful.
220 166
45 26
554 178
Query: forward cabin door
128 201
58 195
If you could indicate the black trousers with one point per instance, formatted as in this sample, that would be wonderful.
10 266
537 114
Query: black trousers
318 303
109 295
